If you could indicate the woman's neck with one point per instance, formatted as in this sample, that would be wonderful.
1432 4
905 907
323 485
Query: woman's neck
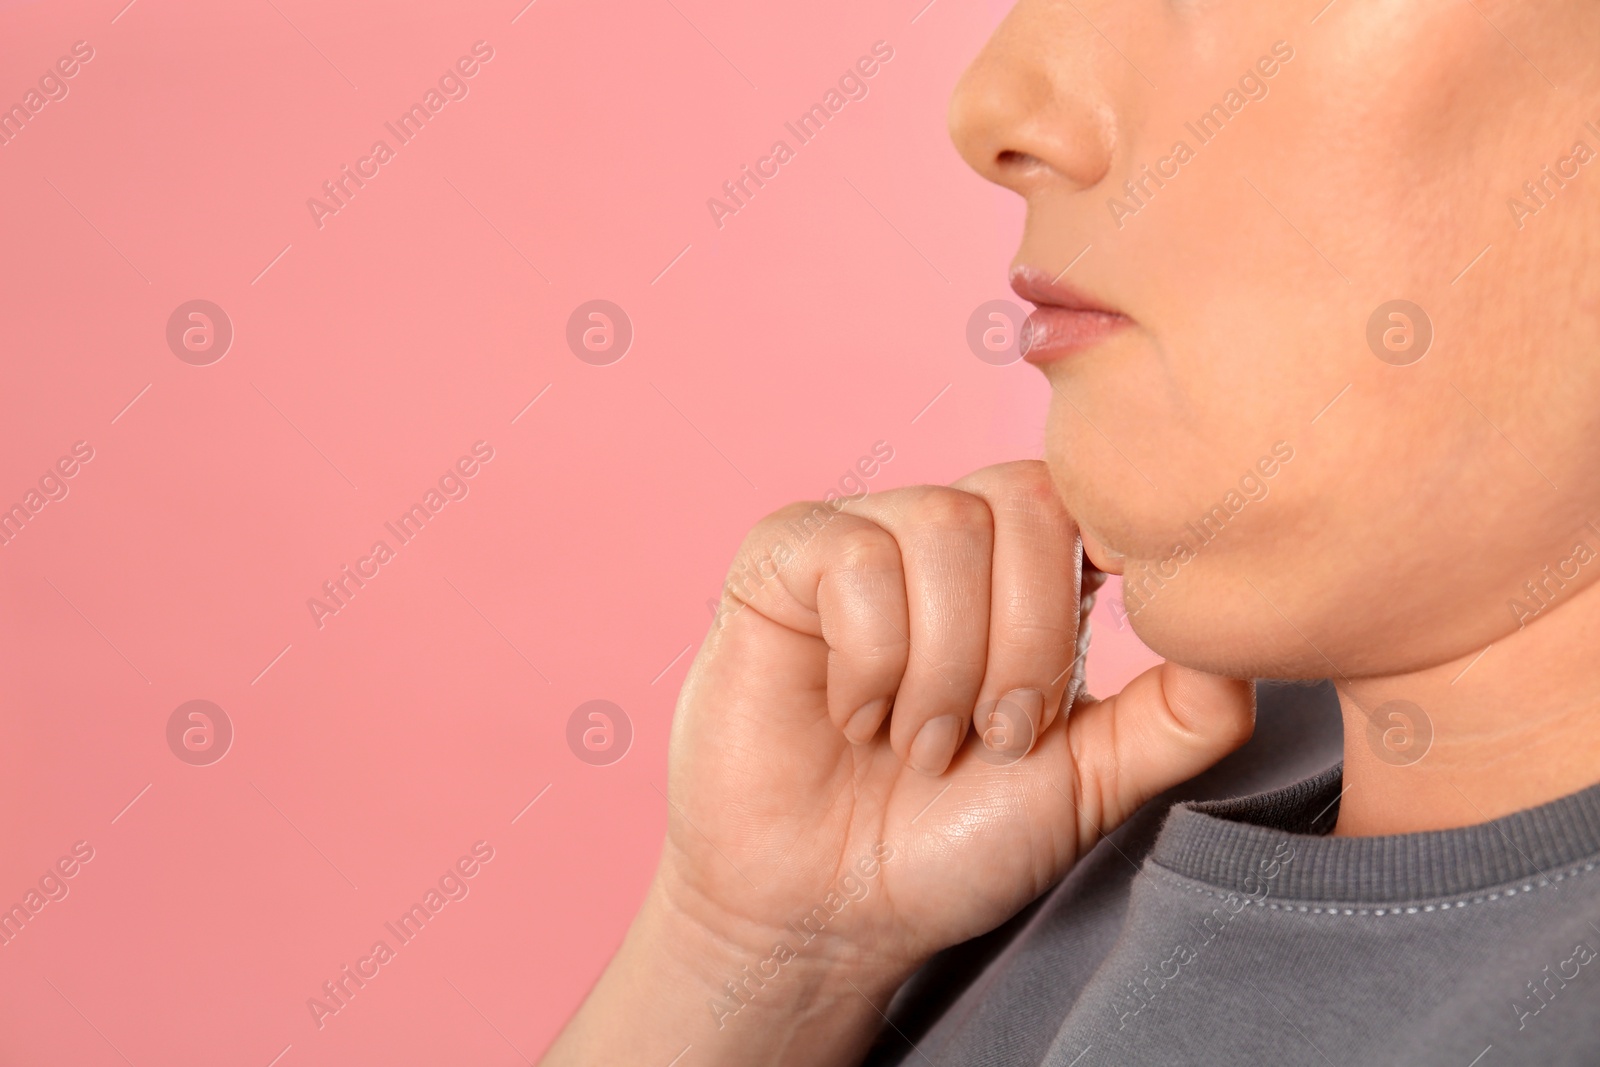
1494 732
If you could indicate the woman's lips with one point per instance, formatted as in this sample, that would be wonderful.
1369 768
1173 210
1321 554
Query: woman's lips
1064 320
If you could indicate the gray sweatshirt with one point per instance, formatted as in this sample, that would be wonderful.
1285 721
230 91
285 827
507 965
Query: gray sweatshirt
1221 925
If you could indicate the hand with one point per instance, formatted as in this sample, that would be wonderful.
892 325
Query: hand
902 680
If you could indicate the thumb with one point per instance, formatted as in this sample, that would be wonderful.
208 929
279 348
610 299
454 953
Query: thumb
1165 727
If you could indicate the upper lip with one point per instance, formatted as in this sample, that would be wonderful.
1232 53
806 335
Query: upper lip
1038 287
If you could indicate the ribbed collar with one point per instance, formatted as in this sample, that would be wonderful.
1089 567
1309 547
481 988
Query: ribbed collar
1228 843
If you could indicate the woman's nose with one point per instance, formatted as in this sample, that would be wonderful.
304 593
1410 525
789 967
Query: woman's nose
1032 111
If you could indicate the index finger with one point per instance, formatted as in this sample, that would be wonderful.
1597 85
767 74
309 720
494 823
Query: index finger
1036 575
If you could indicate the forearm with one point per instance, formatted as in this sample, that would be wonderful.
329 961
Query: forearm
674 988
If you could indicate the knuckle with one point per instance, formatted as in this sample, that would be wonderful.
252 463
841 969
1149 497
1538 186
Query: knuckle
1031 472
1039 606
769 549
963 677
951 677
952 511
1026 486
785 531
801 518
1030 637
1098 771
884 656
864 547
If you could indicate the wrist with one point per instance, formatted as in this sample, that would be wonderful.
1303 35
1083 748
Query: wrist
767 936
679 983
741 961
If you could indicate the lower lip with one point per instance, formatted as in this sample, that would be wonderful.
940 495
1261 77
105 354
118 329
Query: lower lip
1055 333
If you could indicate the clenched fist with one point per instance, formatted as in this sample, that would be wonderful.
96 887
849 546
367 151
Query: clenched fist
906 675
885 731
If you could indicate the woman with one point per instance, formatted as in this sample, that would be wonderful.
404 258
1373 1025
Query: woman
1318 302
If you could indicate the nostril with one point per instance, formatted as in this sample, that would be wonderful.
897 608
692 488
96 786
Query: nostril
1012 158
1031 112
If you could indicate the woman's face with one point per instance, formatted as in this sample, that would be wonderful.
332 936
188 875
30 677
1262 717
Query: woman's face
1254 184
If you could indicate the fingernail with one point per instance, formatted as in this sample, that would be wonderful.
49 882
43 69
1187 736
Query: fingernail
1024 711
935 744
865 721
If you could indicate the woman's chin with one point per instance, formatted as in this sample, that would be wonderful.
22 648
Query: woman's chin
1102 556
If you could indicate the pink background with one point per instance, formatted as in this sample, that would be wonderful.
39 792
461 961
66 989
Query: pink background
368 355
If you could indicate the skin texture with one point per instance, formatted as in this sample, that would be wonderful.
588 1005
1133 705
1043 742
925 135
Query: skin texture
1379 165
849 711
